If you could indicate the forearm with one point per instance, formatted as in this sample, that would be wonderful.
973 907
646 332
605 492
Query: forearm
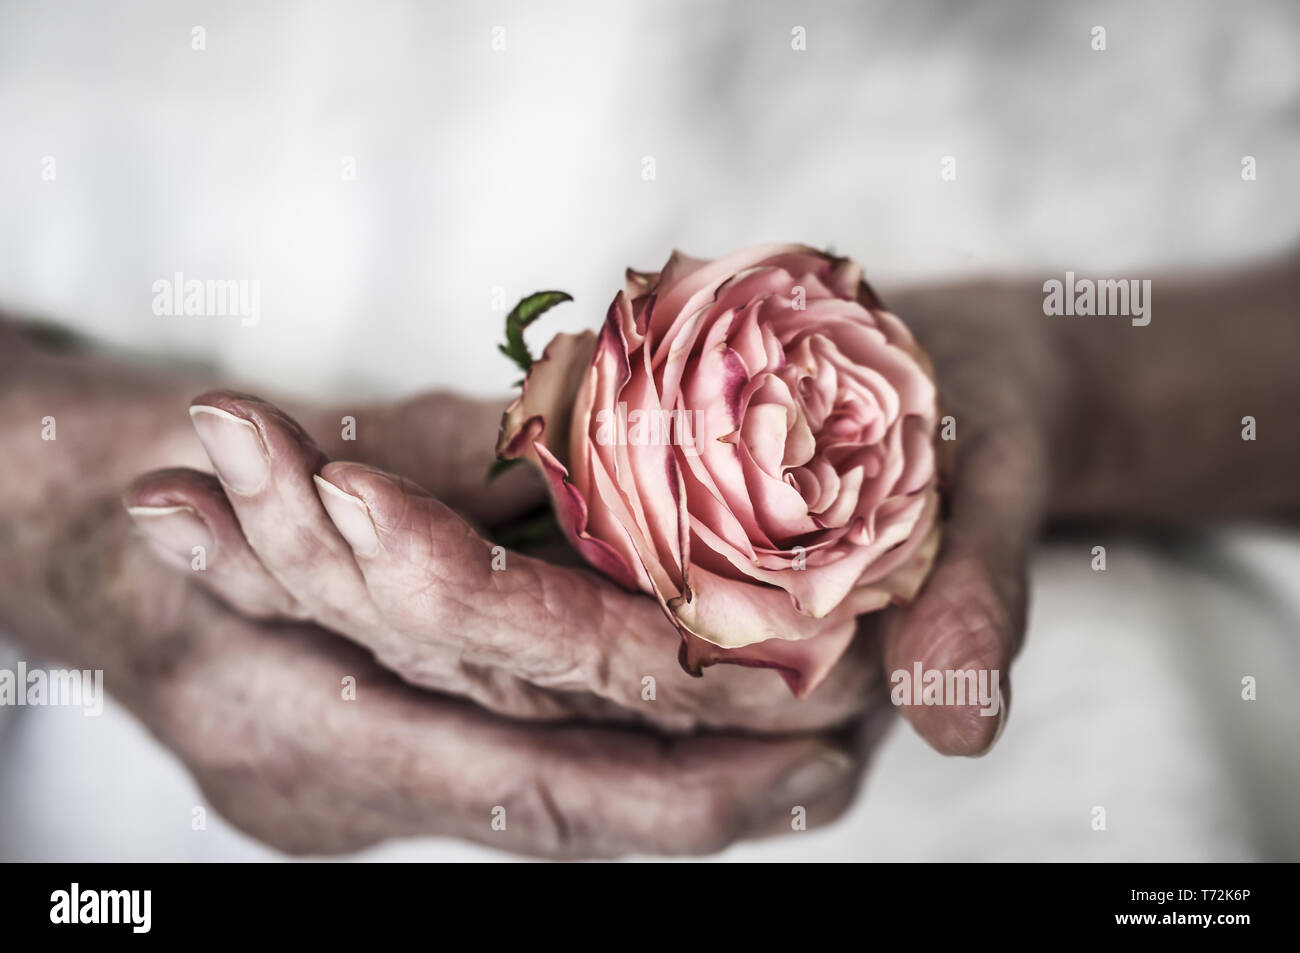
1141 424
1156 432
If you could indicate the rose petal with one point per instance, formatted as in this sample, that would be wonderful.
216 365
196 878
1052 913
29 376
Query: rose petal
549 392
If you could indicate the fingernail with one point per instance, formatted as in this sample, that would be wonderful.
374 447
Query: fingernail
351 517
174 532
811 781
234 447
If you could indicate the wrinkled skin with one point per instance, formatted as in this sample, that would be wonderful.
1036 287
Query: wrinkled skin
1089 415
540 641
234 668
253 705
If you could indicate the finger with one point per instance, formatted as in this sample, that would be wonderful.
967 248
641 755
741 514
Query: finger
188 521
266 463
441 441
454 600
328 774
448 620
970 616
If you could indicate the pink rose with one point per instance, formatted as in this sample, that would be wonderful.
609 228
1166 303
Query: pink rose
749 440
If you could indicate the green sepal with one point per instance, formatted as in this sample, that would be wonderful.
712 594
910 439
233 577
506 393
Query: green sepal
523 314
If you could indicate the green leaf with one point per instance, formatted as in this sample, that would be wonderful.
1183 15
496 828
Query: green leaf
522 315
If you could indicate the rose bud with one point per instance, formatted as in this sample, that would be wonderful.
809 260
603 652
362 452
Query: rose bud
749 440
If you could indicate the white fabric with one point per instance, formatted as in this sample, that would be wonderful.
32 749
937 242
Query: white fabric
523 169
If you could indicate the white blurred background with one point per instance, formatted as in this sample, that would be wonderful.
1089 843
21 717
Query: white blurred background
480 169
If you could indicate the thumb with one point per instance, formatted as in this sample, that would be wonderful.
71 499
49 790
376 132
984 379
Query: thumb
444 443
970 617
